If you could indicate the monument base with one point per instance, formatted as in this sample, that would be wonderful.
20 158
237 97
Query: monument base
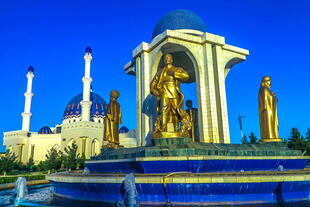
271 140
157 135
171 141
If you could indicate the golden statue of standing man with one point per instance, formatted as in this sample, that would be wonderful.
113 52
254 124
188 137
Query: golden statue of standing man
112 120
268 115
166 87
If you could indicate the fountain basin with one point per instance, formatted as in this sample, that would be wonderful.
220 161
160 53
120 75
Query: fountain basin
197 164
185 188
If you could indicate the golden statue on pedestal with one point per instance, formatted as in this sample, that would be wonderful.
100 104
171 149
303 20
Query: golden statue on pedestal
268 115
166 87
112 120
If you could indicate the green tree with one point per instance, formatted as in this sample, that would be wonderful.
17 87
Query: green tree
253 138
53 159
30 165
8 162
72 158
296 141
244 140
308 135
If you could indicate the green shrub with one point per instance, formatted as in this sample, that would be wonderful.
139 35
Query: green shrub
12 179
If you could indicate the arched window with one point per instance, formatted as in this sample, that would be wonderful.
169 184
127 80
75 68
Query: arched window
95 147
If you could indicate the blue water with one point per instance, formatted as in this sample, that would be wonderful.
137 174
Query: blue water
42 195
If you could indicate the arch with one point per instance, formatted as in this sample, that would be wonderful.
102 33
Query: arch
95 150
182 57
177 51
230 62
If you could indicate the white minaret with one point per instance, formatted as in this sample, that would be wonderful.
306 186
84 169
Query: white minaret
28 97
86 103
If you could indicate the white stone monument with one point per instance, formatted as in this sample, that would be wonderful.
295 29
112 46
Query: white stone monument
206 57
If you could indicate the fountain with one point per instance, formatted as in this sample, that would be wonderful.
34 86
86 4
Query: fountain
131 193
86 171
20 190
177 163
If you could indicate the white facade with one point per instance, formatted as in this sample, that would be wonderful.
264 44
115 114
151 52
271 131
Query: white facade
85 128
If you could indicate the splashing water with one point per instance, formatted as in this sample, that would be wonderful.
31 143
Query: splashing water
86 171
131 193
20 190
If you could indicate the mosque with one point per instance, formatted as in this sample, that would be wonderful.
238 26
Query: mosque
83 123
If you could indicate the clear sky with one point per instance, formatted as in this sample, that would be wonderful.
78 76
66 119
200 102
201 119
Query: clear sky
52 36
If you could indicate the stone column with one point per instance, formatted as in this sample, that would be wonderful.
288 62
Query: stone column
209 112
222 112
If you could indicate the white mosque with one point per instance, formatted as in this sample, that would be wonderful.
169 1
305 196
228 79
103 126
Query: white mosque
83 123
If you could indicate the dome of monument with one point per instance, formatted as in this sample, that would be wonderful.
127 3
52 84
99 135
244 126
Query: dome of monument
123 130
45 130
179 19
74 108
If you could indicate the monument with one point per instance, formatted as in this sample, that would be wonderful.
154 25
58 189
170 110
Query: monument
206 57
112 121
268 113
174 169
166 87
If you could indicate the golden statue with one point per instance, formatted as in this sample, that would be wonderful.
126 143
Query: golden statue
268 115
193 114
112 120
166 87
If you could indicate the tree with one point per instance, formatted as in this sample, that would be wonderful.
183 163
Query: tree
8 162
30 165
296 141
308 135
244 140
253 138
71 158
53 159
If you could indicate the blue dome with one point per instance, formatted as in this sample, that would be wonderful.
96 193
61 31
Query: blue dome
74 109
179 19
45 130
123 130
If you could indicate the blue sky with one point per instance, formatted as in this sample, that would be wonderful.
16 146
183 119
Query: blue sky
52 36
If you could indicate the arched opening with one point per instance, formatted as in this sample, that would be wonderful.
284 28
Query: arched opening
95 147
182 57
239 109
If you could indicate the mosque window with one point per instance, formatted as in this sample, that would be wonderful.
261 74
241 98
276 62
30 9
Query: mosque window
32 151
58 130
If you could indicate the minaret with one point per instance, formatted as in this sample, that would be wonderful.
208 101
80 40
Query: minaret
28 97
86 103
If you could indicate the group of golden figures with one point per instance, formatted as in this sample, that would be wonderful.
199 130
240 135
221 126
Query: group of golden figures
173 120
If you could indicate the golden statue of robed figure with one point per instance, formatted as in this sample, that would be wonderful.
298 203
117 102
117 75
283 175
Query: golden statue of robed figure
112 120
268 115
166 87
